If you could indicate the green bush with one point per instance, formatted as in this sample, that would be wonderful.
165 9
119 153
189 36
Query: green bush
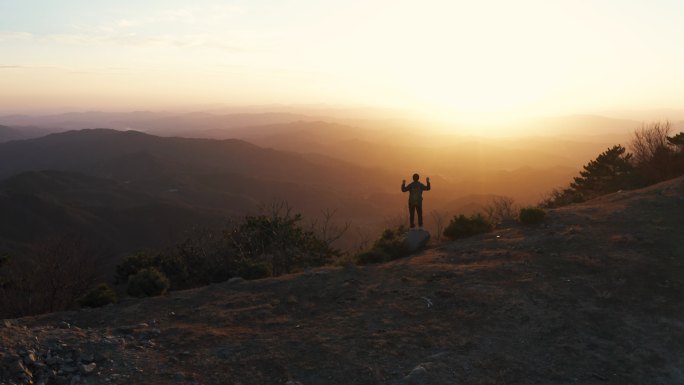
147 282
256 247
99 296
532 215
388 247
462 226
133 264
372 256
250 270
281 242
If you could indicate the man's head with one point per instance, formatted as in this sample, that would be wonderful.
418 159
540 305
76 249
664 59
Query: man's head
416 177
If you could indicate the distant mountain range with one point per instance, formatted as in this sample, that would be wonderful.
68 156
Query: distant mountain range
135 189
17 133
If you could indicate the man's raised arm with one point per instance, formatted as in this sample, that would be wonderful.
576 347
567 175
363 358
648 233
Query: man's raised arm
427 188
403 186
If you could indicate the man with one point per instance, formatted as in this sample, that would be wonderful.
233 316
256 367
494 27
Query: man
415 201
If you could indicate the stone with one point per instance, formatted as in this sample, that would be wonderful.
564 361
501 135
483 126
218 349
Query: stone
30 358
126 329
17 367
418 376
416 239
88 368
87 358
68 369
54 360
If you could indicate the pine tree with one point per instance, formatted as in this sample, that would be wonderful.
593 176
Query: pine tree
677 141
609 172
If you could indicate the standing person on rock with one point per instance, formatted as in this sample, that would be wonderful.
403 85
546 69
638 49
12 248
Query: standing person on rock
415 201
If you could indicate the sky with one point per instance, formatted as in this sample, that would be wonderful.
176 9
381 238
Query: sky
448 60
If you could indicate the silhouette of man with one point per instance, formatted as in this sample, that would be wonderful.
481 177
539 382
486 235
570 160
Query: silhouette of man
415 201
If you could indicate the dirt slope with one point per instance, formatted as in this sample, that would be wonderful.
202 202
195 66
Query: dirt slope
594 296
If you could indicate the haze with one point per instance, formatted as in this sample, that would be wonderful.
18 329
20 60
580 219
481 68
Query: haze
342 101
444 61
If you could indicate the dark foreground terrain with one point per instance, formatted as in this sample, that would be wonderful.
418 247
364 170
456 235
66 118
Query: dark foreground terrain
593 296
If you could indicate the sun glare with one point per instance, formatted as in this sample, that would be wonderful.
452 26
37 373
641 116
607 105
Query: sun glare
446 60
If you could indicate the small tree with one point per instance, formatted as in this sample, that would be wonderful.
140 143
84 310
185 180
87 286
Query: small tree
279 240
531 215
653 152
51 277
609 172
438 219
561 197
148 282
677 143
388 247
650 140
500 209
4 258
134 263
204 257
100 296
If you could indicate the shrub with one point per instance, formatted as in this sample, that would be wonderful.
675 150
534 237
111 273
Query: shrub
201 259
250 270
532 215
50 277
653 152
147 282
99 296
462 226
388 247
500 209
657 156
562 197
280 241
372 256
133 264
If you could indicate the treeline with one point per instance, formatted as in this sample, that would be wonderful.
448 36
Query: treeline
62 273
654 156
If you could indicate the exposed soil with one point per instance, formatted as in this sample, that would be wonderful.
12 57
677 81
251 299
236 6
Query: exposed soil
593 296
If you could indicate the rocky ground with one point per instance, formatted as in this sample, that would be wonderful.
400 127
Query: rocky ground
593 296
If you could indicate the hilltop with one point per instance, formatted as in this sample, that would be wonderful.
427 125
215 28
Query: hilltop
593 296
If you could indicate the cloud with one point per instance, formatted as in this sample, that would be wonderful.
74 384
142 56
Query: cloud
200 40
9 36
204 27
200 16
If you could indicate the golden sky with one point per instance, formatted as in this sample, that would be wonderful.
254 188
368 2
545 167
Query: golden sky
450 60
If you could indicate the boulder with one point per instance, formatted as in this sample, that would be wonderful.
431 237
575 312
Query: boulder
416 239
